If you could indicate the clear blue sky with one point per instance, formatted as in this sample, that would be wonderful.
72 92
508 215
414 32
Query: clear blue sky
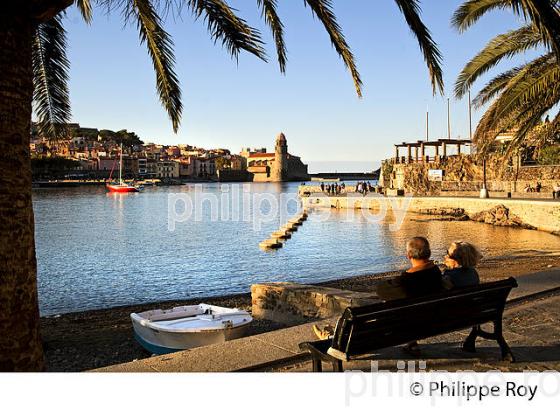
231 105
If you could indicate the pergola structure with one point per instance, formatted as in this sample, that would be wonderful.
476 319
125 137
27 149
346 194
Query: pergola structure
440 150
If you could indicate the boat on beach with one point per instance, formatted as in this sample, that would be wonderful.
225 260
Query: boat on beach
186 327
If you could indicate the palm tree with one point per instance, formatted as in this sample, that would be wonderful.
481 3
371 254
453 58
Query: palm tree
520 96
34 71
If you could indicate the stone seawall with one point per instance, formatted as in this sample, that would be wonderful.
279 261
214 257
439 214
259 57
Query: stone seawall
543 215
292 303
464 173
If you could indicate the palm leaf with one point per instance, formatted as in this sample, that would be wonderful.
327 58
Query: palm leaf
472 10
160 48
432 55
544 14
529 94
270 15
532 83
494 87
50 78
547 132
224 25
503 46
324 11
85 9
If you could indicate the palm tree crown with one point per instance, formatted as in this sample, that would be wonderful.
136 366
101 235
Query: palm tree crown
520 96
50 63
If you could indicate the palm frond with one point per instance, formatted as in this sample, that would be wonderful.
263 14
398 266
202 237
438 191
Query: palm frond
225 26
472 10
529 94
532 83
85 9
544 14
160 48
432 55
546 133
527 121
324 11
268 9
503 46
50 78
494 87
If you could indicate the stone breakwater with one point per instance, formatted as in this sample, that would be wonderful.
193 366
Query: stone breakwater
542 215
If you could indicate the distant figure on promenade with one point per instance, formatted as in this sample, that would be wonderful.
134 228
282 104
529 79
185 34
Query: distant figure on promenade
528 188
328 189
322 187
460 261
365 188
556 191
539 187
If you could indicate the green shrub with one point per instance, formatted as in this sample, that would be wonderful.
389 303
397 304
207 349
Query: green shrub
549 155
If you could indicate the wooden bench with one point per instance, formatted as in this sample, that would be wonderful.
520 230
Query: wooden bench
362 330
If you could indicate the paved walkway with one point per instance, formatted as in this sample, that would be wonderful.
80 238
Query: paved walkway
531 328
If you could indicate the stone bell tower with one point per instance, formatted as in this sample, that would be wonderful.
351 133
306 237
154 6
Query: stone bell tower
280 168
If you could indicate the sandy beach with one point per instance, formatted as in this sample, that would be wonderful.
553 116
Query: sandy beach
87 340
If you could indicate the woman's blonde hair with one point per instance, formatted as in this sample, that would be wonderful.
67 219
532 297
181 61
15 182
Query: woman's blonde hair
464 253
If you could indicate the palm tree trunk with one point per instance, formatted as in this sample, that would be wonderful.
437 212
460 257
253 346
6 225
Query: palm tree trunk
20 343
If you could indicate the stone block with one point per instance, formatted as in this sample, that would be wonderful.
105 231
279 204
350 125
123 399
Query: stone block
292 303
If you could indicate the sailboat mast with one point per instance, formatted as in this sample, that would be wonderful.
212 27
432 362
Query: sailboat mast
120 167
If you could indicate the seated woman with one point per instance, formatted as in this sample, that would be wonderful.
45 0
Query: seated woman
461 261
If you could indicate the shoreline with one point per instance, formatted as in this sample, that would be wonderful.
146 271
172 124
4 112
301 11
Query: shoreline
96 338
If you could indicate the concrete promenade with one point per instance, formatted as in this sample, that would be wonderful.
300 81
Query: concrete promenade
541 214
531 327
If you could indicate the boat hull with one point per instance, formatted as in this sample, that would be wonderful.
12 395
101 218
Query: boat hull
121 188
188 327
160 342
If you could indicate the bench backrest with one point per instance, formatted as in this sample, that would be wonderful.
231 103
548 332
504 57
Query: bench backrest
363 329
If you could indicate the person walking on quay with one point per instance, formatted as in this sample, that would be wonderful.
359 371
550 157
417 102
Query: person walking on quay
328 189
364 189
556 191
322 187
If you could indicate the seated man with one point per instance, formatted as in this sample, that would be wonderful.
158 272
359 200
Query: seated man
422 278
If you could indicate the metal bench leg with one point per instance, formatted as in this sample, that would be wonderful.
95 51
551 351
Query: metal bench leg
337 366
317 365
469 345
507 355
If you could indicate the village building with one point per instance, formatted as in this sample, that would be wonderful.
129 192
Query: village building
278 166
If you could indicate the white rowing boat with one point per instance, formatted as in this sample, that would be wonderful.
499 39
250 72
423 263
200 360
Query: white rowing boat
185 327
